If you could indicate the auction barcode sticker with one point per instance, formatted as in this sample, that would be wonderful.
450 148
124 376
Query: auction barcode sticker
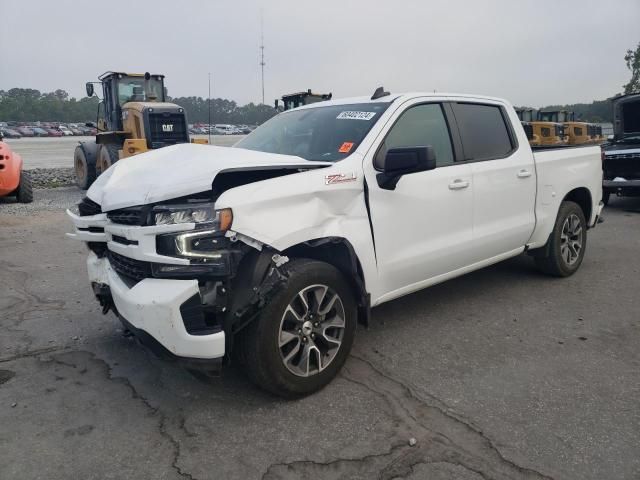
356 115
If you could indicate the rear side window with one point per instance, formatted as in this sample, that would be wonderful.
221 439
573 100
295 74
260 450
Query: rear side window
419 126
484 132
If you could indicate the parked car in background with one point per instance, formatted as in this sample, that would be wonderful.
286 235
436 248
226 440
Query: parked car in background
87 131
54 132
65 131
76 131
25 132
39 132
9 133
224 129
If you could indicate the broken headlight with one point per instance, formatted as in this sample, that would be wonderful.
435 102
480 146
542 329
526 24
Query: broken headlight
199 213
205 249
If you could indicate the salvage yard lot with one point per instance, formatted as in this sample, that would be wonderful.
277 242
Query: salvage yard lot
503 373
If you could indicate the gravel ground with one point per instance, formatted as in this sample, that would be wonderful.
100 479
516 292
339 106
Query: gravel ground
52 177
50 199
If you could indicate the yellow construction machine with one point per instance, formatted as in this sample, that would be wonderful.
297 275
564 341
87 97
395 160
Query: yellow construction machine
133 117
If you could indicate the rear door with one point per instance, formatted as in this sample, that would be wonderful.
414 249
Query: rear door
504 180
422 228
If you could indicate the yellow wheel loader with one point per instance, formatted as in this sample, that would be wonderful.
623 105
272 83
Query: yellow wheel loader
133 117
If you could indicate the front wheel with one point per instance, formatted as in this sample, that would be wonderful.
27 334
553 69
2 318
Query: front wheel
303 336
567 242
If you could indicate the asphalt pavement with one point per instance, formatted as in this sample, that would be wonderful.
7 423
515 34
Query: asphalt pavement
503 373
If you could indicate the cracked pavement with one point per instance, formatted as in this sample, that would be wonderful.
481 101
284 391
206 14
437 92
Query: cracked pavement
501 374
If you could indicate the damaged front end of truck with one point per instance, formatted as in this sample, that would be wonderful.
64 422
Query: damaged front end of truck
180 263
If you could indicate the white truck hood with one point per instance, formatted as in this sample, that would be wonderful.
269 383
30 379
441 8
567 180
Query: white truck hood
176 171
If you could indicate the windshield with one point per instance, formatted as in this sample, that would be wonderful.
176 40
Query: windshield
327 134
136 89
547 117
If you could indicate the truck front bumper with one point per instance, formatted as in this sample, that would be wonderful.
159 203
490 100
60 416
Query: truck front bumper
154 310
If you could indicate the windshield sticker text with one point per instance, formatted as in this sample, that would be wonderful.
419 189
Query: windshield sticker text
356 115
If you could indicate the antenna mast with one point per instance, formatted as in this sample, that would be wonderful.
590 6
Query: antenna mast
262 64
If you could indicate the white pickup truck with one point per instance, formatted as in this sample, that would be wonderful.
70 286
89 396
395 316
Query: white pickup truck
277 247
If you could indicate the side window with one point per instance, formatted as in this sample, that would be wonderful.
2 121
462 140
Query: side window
420 126
483 130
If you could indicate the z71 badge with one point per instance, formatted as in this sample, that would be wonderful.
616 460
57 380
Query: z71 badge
334 178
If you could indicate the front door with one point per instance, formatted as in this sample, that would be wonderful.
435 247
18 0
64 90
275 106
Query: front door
423 228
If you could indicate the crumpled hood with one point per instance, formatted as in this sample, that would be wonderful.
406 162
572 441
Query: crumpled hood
176 171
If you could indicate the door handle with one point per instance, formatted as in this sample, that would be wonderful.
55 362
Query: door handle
458 184
524 173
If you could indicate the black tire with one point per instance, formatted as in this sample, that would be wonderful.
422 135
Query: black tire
107 156
85 168
605 197
259 346
555 262
24 193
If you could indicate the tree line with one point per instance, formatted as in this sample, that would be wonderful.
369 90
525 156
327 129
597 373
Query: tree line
29 105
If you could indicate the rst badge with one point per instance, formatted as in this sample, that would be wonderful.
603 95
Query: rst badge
167 127
333 178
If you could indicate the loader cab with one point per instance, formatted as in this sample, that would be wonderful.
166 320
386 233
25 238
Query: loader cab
119 88
557 116
527 116
295 100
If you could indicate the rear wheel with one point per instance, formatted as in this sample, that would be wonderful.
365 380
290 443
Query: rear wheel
304 335
107 156
24 194
568 242
85 169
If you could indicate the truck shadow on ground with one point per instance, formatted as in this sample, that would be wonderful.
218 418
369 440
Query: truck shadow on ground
626 204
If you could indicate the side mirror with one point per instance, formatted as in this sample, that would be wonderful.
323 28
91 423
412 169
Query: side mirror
402 161
89 86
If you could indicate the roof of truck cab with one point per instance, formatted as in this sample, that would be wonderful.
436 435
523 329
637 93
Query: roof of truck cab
392 97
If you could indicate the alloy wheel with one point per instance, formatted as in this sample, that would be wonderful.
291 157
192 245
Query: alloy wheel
311 330
571 239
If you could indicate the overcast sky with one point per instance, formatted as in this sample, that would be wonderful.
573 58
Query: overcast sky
532 52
